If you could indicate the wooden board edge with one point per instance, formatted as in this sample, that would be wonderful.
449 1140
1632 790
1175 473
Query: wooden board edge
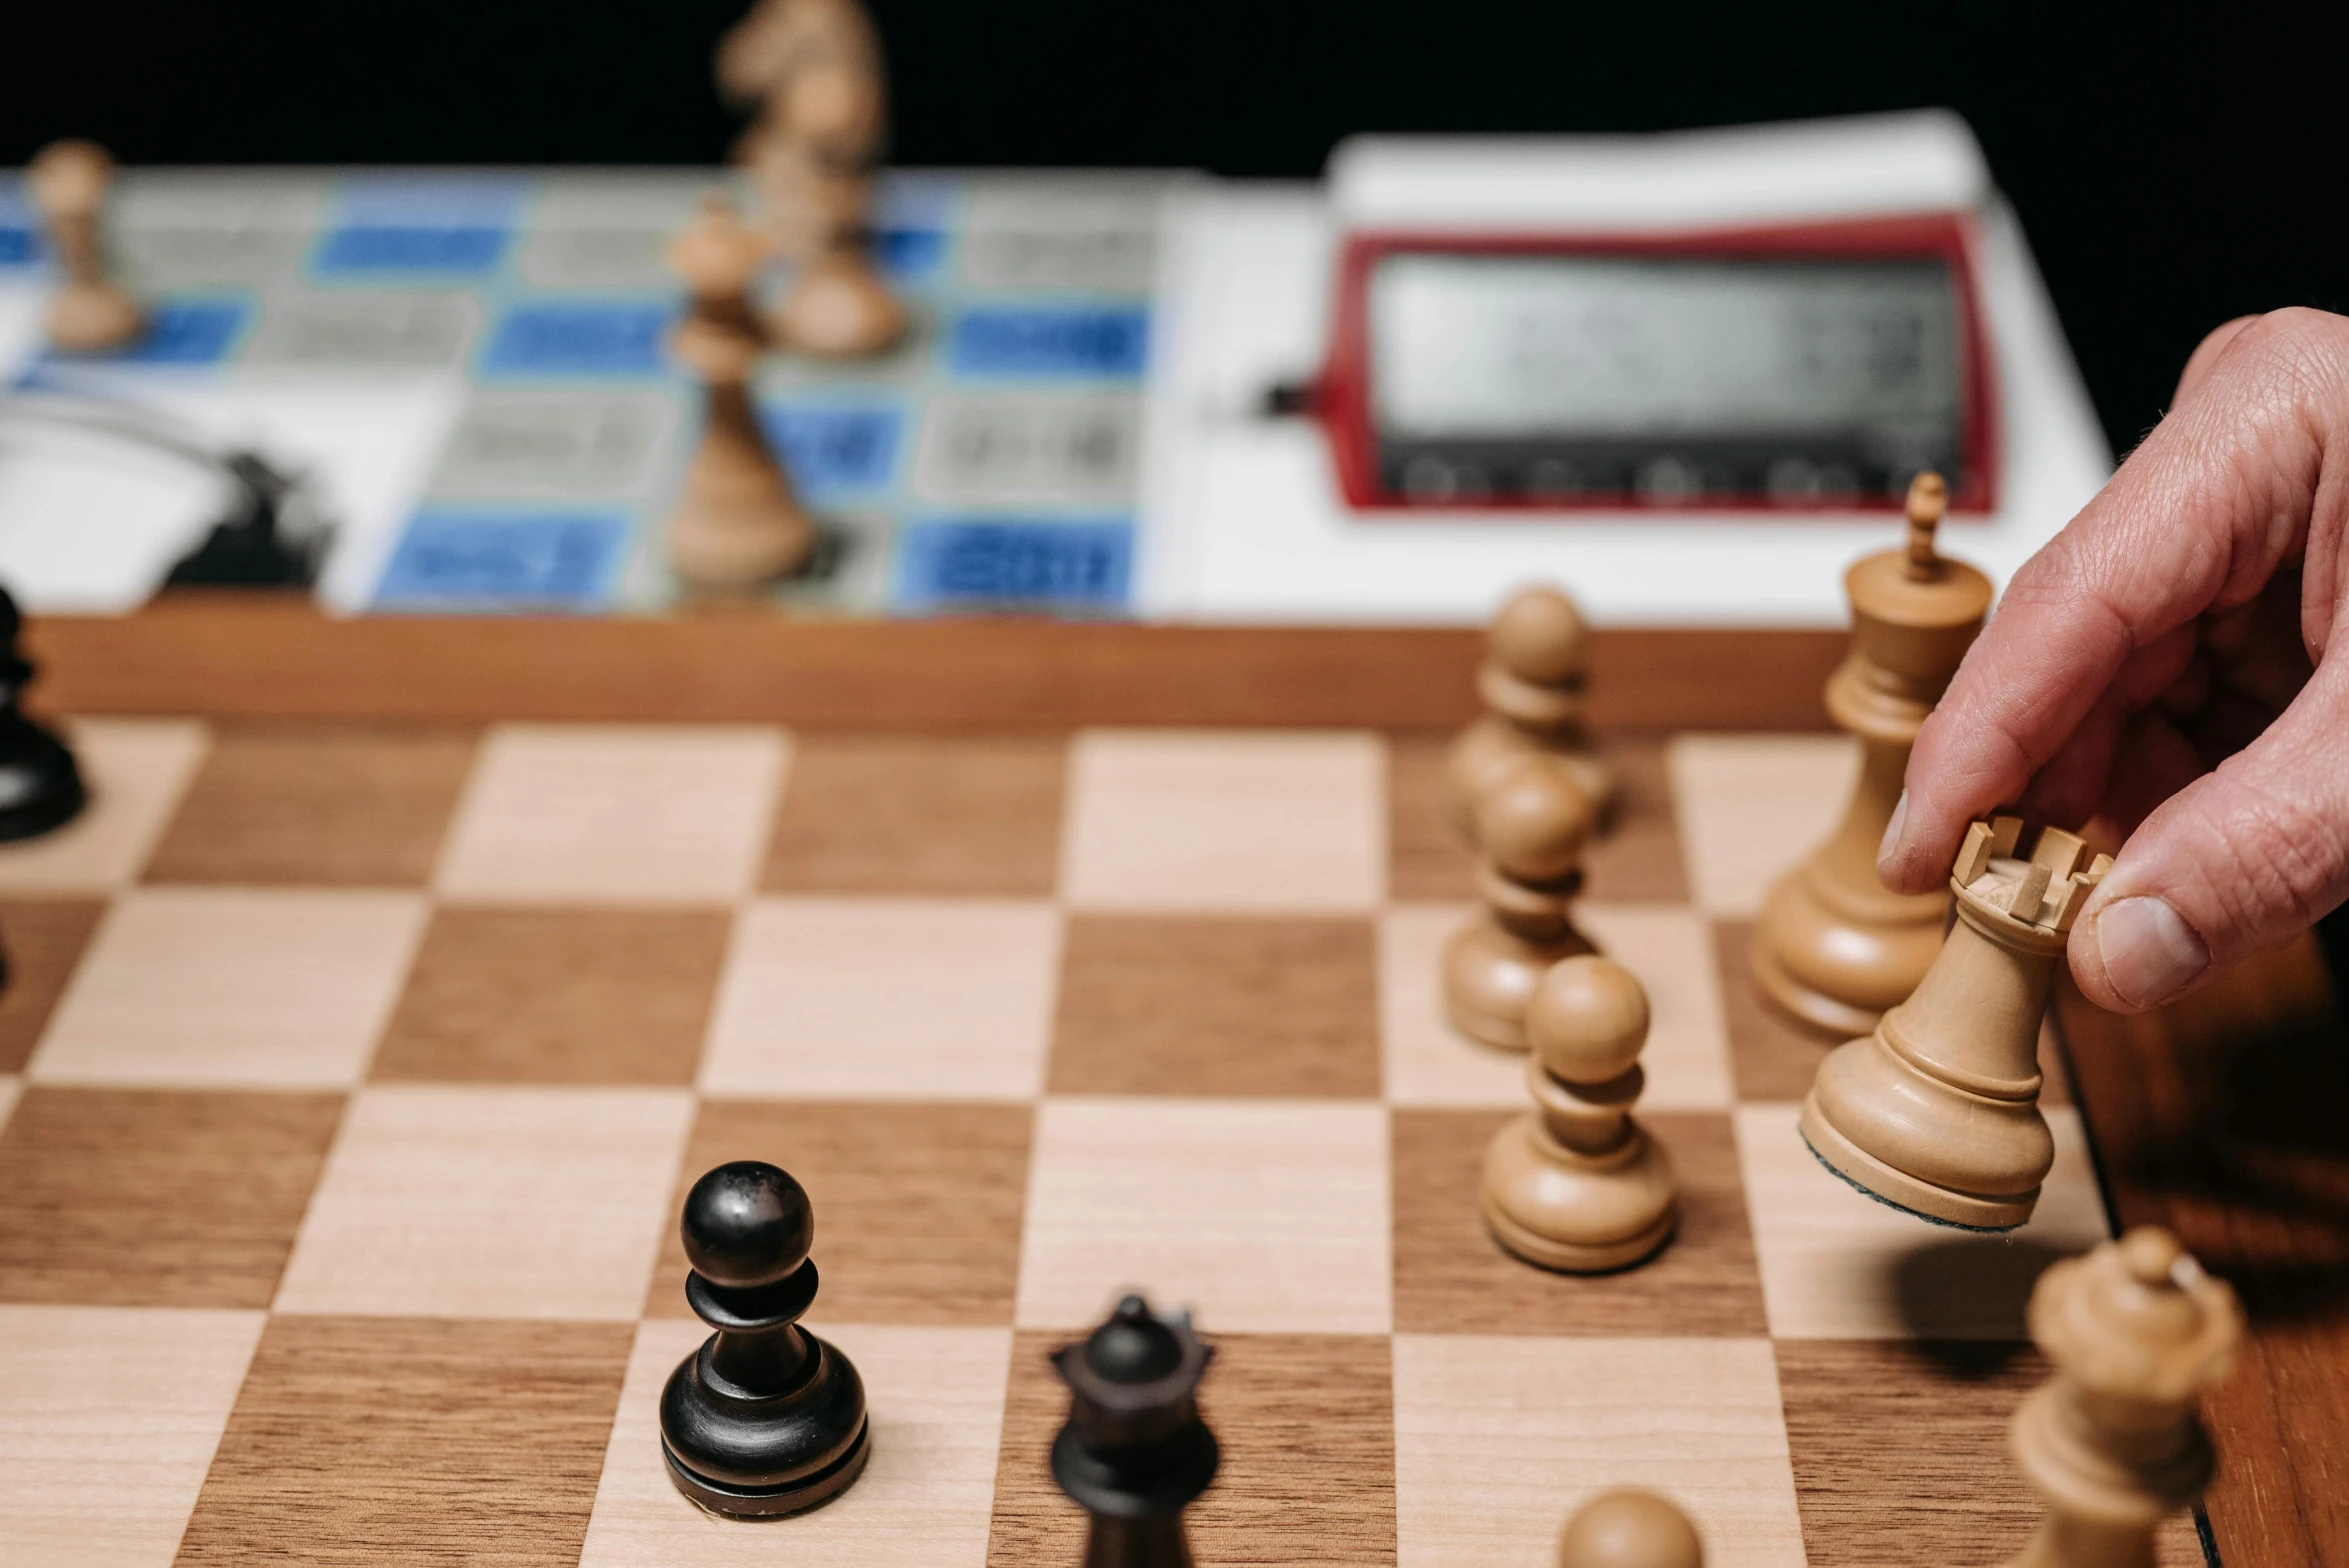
262 656
2182 1107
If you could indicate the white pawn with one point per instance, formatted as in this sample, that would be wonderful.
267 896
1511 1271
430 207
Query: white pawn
1630 1529
1578 1185
90 312
1531 824
1533 683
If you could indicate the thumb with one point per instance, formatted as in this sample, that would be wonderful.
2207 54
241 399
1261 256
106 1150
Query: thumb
2241 860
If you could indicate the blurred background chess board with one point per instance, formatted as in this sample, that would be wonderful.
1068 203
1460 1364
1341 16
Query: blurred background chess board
470 369
2151 166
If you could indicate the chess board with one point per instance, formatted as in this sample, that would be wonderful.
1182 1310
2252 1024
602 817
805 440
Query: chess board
356 1069
470 369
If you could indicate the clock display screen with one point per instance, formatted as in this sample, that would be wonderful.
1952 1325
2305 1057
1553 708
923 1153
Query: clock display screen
1661 379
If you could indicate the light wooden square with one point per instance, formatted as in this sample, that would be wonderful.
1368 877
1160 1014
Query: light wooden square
490 1203
935 1401
1499 1439
108 1420
1263 1216
1665 945
244 987
1752 806
1234 823
885 998
1425 1061
136 770
615 813
1836 1264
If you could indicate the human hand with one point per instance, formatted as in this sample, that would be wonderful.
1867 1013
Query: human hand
2170 663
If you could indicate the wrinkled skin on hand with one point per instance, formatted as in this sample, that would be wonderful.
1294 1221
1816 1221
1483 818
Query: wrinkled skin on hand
2173 663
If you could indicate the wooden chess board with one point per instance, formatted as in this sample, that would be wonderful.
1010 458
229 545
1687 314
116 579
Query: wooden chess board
358 1062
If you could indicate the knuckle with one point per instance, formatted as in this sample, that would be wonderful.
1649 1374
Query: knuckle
2050 581
2295 352
2270 858
2304 323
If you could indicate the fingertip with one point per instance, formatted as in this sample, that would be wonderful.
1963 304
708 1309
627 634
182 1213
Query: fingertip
1890 849
2085 955
1899 874
1913 858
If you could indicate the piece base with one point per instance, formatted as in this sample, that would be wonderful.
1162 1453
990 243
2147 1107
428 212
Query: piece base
1565 1257
741 552
35 818
1831 1019
1489 976
773 1502
1912 1195
95 318
1488 1029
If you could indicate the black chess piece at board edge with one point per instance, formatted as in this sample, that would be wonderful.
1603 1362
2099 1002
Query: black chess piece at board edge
765 1419
1134 1452
40 786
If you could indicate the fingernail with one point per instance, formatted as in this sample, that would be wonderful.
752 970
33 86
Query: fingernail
2149 953
1892 830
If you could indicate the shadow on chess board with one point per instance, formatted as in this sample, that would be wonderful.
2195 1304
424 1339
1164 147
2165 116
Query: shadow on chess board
1996 1272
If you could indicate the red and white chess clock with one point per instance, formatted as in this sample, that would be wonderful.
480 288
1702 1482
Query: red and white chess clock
1628 330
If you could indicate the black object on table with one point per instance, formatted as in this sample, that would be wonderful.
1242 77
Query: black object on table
1135 1453
246 547
765 1419
40 786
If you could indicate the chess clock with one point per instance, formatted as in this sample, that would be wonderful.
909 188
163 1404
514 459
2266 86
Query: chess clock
1489 356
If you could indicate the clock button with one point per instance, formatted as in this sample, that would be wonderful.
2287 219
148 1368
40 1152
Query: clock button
1665 480
1429 478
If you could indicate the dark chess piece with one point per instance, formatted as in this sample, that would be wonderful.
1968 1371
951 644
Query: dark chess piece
1134 1453
40 787
247 547
765 1419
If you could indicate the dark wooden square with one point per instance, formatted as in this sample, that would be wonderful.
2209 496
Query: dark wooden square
1771 1057
316 805
42 939
1636 859
1427 857
375 1440
1170 1005
1307 1427
918 1207
1451 1277
149 1198
558 996
1900 1453
919 814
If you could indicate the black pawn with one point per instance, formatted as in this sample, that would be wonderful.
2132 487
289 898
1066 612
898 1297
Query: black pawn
765 1419
1134 1453
40 788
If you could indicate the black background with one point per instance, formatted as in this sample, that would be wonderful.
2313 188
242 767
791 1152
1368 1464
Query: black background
2173 164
